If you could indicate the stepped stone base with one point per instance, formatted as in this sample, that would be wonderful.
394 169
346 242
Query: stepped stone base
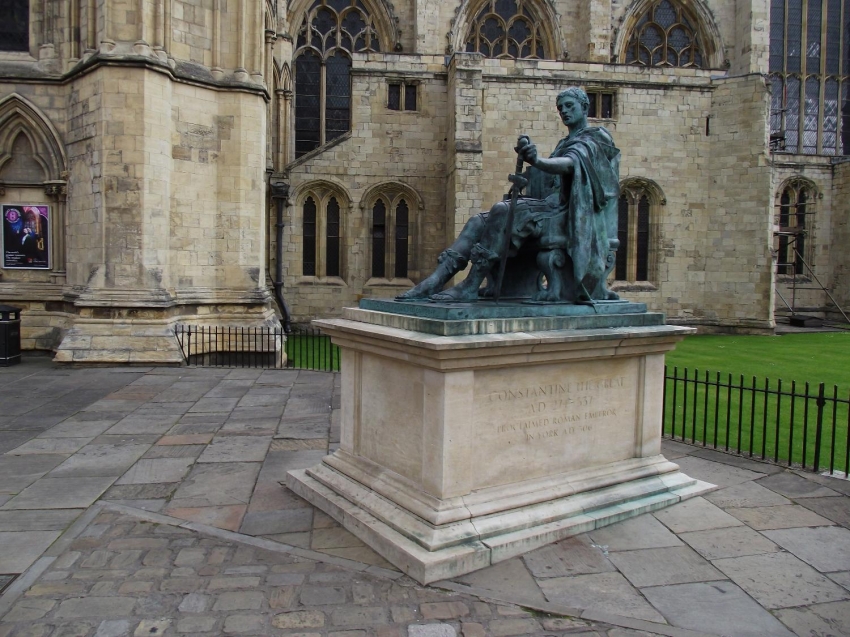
457 452
429 553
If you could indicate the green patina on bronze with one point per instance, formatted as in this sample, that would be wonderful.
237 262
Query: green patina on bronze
562 230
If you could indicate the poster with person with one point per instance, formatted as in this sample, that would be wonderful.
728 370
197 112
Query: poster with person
26 229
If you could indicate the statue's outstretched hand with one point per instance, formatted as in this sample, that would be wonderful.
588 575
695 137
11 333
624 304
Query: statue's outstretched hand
526 150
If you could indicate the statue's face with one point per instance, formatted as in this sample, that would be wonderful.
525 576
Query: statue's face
571 110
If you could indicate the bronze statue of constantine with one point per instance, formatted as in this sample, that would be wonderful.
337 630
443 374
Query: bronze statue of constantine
563 227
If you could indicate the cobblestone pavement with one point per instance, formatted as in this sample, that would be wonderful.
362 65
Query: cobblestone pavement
122 576
188 463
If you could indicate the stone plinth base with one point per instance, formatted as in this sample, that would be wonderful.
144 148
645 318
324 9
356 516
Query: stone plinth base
458 452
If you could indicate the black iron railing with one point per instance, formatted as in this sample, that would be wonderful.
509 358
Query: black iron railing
792 423
265 347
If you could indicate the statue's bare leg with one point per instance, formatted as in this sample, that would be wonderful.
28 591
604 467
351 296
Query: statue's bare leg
484 255
451 261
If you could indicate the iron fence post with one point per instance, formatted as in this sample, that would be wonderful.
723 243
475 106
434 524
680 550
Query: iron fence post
819 426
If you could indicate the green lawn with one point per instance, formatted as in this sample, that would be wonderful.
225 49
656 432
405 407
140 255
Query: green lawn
311 352
741 408
813 358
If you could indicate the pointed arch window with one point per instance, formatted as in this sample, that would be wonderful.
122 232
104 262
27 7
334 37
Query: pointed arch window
322 235
634 255
665 36
507 29
794 218
15 25
332 31
809 68
390 237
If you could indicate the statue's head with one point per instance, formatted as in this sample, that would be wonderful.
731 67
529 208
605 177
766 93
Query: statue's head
577 93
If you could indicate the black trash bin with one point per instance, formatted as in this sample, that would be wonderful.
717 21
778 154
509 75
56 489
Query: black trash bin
10 335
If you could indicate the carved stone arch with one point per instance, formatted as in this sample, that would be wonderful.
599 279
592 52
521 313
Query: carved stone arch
707 33
19 116
324 189
284 76
797 183
392 190
554 45
632 185
382 12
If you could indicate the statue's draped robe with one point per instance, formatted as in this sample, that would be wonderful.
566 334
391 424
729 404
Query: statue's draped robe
588 196
584 214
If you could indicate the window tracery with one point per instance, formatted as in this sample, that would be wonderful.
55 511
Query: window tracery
332 30
810 77
634 255
322 213
507 29
665 35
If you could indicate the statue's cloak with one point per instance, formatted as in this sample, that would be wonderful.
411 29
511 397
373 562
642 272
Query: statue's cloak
588 199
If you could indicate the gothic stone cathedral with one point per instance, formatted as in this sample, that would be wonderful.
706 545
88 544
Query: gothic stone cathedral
145 146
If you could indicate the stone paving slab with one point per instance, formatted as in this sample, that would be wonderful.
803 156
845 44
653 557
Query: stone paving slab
213 466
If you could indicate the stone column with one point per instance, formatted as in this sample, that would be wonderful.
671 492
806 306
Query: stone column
58 191
464 150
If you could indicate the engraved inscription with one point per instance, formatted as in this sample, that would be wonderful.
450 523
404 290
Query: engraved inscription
556 410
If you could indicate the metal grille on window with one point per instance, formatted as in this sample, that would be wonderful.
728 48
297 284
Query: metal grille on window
809 67
14 25
642 265
379 238
309 251
507 29
394 97
337 96
402 213
665 36
332 244
332 30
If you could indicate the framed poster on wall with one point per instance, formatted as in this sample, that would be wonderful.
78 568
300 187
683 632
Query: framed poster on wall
26 232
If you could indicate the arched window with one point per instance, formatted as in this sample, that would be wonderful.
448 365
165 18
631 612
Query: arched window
332 30
15 25
665 36
507 29
793 223
322 233
809 77
634 262
390 240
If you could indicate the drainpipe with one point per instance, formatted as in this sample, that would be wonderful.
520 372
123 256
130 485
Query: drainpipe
280 195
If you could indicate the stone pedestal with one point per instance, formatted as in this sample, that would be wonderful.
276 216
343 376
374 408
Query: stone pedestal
458 452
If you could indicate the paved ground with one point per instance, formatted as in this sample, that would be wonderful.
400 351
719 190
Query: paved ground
147 501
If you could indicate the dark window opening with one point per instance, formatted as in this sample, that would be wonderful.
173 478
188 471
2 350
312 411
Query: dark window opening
394 97
309 252
401 96
401 230
333 239
379 238
15 25
601 104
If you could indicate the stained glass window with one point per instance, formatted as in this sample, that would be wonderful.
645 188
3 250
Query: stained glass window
808 76
633 230
665 36
332 30
14 25
507 29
